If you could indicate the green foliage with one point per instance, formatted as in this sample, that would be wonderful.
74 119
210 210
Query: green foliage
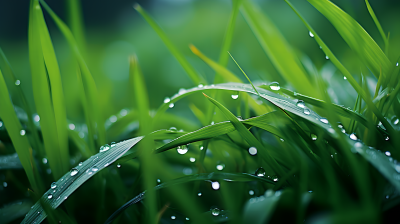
272 153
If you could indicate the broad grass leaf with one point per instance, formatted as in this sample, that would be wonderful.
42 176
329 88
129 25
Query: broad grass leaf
10 162
258 210
14 210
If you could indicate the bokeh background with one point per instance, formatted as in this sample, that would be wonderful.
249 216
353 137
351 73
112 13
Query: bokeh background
114 31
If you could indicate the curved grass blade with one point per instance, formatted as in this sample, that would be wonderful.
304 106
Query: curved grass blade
356 37
75 20
196 78
259 210
240 177
277 49
20 142
66 185
378 25
10 212
10 162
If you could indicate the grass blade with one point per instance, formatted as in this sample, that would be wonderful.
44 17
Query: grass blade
75 21
378 25
196 78
10 162
259 210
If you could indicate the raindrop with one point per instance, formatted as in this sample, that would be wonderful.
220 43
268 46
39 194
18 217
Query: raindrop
220 166
173 217
182 149
314 137
396 121
158 181
22 132
71 126
353 136
397 64
344 77
388 153
215 211
50 196
235 96
311 34
260 172
118 165
253 151
199 194
36 118
94 169
274 86
1 124
251 192
123 112
173 129
74 171
187 218
5 184
300 103
358 145
44 160
167 99
275 178
192 159
171 105
80 164
387 138
17 82
104 148
113 144
307 112
326 57
200 85
324 120
212 122
215 185
387 196
182 91
113 118
201 147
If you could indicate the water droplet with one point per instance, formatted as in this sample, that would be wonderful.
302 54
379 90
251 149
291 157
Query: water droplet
1 124
220 166
307 112
201 147
387 196
5 184
192 159
44 161
113 144
397 64
104 148
311 34
314 137
200 85
274 86
182 91
71 126
50 196
158 181
80 164
199 194
235 96
387 138
396 121
113 119
22 132
17 82
173 129
118 165
215 211
300 103
167 99
36 118
388 153
324 120
123 112
182 149
251 192
173 217
215 185
187 219
94 169
253 151
274 178
326 57
353 136
74 171
171 105
260 172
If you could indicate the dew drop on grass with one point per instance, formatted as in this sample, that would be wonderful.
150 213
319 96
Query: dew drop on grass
326 57
167 99
387 153
173 129
173 217
171 105
397 64
220 166
5 184
80 164
235 96
353 136
1 124
113 144
118 165
311 34
314 137
324 120
307 112
200 85
50 196
387 138
22 132
192 159
182 149
94 169
53 185
201 147
74 171
300 103
158 181
113 119
274 86
187 219
344 77
251 192
253 151
71 126
104 148
44 161
36 118
182 91
260 172
387 196
215 185
17 82
275 178
215 211
396 121
199 194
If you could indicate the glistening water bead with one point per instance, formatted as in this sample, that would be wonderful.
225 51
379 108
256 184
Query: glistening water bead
22 132
353 136
215 185
274 86
235 96
260 172
74 171
324 120
307 112
215 211
104 148
300 103
253 151
311 34
314 137
182 149
167 99
53 185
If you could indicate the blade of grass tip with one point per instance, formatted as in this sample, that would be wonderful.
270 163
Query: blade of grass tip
245 75
249 137
277 49
355 36
41 95
378 25
88 81
345 72
18 137
9 74
196 78
57 95
145 126
75 21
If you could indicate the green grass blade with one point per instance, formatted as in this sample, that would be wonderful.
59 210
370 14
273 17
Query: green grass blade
378 25
76 23
277 49
20 142
10 162
244 74
196 78
15 210
356 37
259 210
87 78
68 183
42 97
57 95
